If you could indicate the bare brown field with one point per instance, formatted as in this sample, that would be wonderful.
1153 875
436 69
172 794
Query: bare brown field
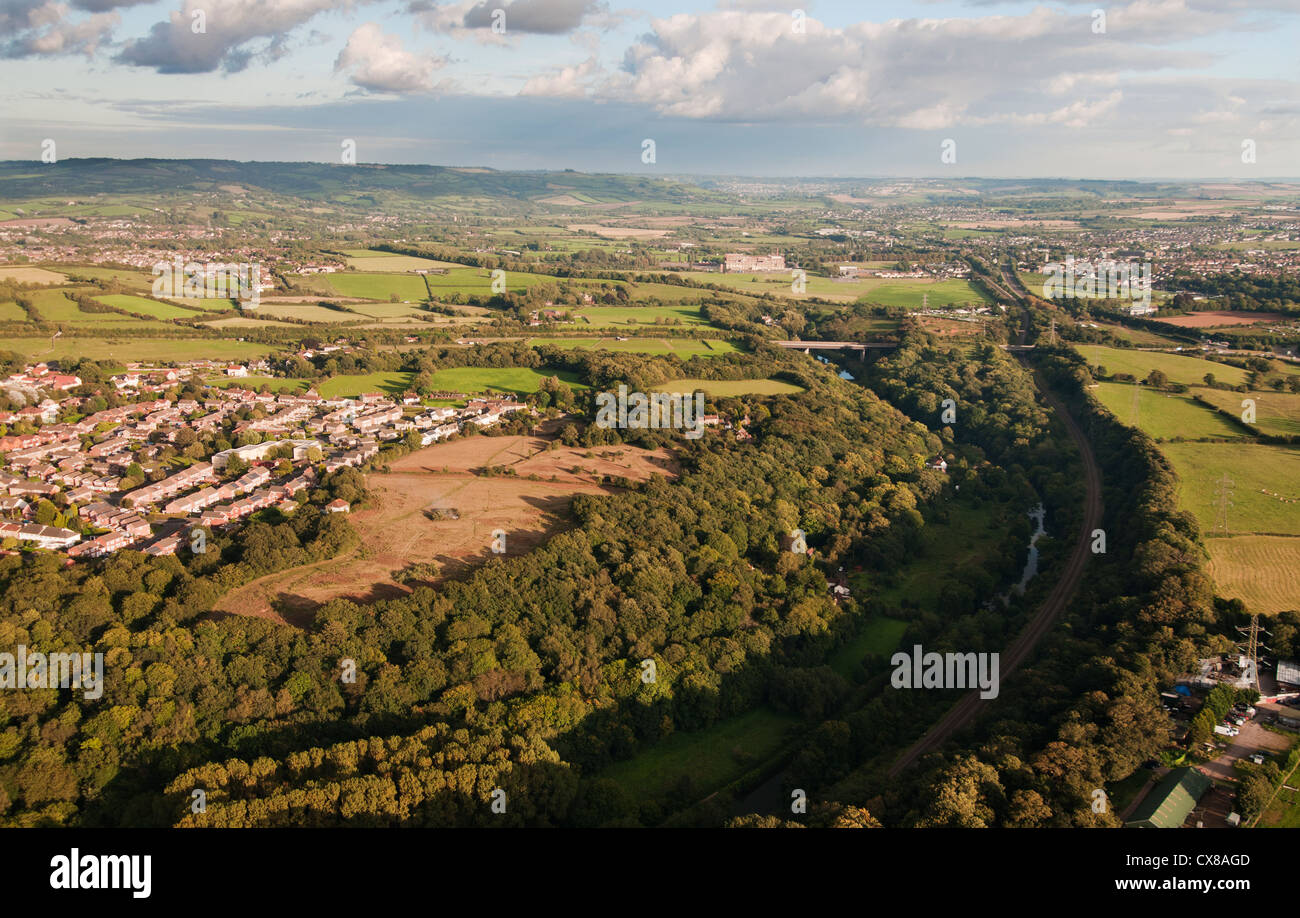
37 221
28 275
396 529
1183 209
319 298
1219 318
1261 571
950 328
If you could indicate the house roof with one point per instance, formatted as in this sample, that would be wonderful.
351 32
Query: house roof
1169 802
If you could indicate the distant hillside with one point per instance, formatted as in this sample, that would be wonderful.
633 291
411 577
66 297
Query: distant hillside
24 180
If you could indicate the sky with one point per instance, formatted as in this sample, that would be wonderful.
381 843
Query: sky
872 88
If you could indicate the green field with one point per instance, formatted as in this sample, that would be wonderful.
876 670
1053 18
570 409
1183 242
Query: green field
879 636
366 260
412 287
54 306
478 281
127 277
1139 337
1276 413
1253 470
1165 416
369 286
514 380
12 312
1261 571
907 293
274 383
387 310
682 347
606 316
352 386
1187 370
142 306
712 757
305 312
720 388
123 347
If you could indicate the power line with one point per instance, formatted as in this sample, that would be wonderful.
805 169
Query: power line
1223 498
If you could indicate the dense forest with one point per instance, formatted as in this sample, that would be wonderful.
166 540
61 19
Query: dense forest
529 667
499 698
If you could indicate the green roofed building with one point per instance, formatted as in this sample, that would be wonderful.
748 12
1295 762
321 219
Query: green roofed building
1169 802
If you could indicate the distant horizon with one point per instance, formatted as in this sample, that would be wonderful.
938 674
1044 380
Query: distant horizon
896 88
1191 180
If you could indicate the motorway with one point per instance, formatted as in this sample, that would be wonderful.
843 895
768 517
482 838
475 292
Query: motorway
971 705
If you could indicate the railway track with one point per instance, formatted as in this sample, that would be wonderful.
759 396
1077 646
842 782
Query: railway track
965 711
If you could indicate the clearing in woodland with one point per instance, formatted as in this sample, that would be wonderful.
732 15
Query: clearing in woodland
436 511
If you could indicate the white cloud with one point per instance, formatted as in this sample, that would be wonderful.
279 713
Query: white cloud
234 33
379 63
926 74
565 83
45 27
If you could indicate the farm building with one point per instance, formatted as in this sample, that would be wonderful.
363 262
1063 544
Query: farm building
337 506
1169 802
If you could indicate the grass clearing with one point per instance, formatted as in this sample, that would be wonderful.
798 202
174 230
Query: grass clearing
712 757
531 505
969 536
879 636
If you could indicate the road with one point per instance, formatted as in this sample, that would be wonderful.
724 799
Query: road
971 705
